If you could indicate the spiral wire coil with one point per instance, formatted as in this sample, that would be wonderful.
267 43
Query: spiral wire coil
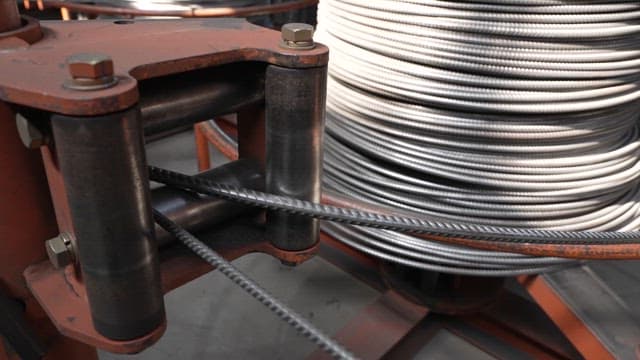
507 113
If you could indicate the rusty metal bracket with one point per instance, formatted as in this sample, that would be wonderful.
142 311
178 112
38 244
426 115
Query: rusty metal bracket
34 76
35 71
63 295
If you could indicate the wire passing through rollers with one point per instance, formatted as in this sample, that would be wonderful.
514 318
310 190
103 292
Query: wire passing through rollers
572 244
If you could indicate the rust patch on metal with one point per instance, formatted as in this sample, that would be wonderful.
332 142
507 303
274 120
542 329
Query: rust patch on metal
63 298
378 327
585 341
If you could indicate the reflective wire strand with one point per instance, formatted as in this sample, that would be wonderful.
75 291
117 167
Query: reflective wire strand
504 113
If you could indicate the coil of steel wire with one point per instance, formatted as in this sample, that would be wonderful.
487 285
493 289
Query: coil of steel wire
518 113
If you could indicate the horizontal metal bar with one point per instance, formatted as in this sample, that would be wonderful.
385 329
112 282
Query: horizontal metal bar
177 101
196 212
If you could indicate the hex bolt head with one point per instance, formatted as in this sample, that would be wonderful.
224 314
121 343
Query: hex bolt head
59 251
30 135
297 36
90 65
90 71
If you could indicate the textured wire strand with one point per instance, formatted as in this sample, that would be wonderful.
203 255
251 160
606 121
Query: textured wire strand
393 222
448 257
291 317
508 113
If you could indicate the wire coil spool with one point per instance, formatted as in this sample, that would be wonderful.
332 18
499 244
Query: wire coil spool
501 112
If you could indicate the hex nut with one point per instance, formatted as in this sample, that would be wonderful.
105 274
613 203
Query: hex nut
89 72
30 135
297 34
90 66
59 251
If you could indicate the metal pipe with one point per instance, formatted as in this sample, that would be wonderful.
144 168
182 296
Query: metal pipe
295 100
194 211
171 102
103 166
9 15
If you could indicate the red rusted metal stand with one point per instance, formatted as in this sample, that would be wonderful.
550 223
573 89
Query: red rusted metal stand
34 61
27 221
394 328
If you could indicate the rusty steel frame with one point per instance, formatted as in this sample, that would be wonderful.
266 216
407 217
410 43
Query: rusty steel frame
364 333
27 221
40 50
64 297
579 333
394 328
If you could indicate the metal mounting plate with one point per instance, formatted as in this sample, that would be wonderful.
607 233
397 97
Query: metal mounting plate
64 299
140 49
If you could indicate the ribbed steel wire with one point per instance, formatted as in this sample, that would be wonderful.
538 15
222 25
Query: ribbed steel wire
291 317
509 113
400 221
466 261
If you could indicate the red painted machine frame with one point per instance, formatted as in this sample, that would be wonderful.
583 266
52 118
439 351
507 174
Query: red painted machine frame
36 54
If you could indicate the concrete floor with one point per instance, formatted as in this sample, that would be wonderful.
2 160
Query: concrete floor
212 318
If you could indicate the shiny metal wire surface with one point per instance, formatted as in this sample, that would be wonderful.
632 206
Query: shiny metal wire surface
517 113
174 4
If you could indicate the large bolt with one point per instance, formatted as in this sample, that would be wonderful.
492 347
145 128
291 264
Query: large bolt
90 71
30 135
59 251
297 36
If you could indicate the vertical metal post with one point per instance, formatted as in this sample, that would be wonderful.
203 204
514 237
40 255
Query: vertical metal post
103 166
26 220
202 147
9 15
295 102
